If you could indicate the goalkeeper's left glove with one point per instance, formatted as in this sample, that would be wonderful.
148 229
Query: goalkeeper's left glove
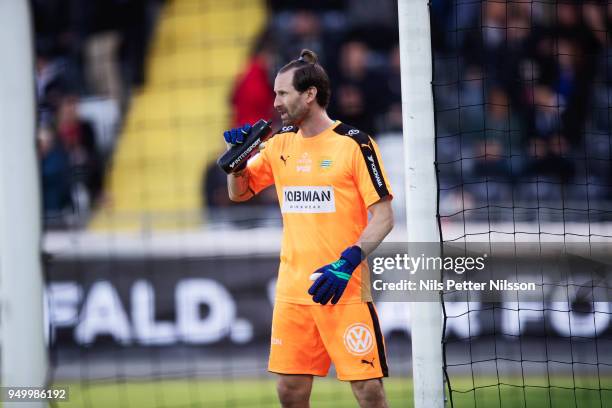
335 276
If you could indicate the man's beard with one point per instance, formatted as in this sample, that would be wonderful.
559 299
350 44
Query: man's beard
294 119
287 121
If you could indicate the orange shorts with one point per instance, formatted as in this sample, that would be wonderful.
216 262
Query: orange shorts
307 338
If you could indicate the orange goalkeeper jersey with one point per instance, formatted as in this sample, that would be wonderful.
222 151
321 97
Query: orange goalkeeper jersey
325 184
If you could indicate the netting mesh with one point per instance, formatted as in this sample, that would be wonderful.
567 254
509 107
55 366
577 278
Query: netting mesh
523 154
160 289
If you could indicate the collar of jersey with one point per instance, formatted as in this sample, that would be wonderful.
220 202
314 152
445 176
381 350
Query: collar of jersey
319 135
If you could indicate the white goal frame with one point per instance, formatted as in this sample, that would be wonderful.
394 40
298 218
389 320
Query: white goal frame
421 191
23 348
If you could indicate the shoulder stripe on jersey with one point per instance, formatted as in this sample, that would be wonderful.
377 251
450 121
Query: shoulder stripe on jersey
369 155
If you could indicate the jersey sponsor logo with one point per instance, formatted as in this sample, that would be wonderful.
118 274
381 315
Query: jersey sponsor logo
308 199
366 145
286 128
377 177
325 162
358 339
352 132
304 164
284 159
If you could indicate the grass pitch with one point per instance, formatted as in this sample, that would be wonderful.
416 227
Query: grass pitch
328 392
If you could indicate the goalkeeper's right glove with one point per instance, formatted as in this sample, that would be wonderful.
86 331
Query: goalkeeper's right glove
237 135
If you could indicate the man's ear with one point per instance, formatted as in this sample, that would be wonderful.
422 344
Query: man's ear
311 94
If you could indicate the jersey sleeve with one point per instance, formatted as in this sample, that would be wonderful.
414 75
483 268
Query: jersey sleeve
260 170
369 173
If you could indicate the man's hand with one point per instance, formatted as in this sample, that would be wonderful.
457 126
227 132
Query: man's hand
334 277
236 135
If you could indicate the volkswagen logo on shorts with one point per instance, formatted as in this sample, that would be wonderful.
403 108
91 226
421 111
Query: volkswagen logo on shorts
358 339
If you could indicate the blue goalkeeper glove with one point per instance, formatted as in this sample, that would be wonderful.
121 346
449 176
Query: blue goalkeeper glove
236 135
335 276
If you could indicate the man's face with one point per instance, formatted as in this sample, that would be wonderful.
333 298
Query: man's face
291 104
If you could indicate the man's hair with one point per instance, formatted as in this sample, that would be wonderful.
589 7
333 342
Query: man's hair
308 72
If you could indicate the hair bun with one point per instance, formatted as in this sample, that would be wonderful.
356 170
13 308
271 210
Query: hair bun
309 56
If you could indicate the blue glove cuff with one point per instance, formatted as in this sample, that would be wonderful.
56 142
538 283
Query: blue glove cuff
353 255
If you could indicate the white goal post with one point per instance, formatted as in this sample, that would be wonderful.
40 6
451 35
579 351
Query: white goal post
23 351
421 191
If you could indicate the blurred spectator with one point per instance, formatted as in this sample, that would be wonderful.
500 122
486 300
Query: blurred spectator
78 140
498 113
491 162
253 94
83 48
351 107
504 125
214 188
114 36
55 172
472 103
303 30
50 81
392 84
494 24
54 23
547 109
373 22
518 77
492 152
252 99
537 64
566 51
137 25
57 41
380 13
101 44
278 6
452 22
567 62
354 62
99 27
256 212
548 158
357 96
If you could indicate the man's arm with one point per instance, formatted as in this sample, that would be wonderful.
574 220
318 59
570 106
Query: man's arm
379 225
238 182
238 186
332 279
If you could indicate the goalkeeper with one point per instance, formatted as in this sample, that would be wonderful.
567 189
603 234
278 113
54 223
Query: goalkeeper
328 177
